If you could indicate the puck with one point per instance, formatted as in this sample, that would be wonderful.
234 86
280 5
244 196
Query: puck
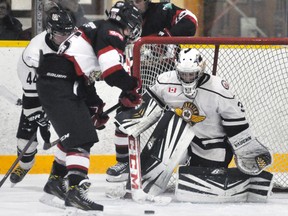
149 212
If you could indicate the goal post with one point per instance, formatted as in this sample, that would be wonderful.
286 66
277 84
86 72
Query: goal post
255 68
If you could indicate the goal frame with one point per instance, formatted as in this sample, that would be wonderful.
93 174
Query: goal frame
213 43
200 40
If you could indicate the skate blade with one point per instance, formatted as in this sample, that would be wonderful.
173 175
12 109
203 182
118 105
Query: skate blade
52 200
13 185
120 178
72 211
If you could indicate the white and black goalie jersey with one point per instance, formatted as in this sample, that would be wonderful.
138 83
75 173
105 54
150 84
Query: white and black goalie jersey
224 114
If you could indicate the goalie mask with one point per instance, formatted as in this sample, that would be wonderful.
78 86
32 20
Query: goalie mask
190 67
127 16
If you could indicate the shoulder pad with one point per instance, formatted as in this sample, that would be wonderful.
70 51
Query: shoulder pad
31 53
218 86
168 77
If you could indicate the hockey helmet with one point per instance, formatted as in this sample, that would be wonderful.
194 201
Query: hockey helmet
142 5
59 21
190 67
127 15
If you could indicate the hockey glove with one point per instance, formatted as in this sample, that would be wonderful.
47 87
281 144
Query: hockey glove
251 157
98 118
131 98
39 119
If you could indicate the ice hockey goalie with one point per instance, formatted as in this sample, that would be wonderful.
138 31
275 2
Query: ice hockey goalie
206 121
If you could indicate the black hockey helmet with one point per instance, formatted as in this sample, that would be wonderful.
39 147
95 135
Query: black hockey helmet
59 21
139 4
127 15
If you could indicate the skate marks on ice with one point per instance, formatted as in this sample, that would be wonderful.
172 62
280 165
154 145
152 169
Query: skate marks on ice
23 200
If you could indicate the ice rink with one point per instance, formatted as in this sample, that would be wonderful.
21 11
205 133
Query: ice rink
23 200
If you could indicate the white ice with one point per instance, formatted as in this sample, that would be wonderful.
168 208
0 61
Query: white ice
23 200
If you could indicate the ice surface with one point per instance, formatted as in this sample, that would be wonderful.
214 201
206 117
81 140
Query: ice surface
22 200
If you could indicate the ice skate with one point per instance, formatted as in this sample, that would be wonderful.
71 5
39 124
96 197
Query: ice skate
77 201
17 175
55 187
118 173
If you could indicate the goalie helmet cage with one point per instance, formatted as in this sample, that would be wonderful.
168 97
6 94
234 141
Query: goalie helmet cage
255 68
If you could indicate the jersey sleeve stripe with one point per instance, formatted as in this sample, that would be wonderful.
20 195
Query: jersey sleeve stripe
111 70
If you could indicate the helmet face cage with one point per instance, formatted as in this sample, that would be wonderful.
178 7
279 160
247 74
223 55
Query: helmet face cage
190 67
59 23
127 15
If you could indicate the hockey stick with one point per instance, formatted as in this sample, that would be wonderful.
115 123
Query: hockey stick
108 111
18 158
111 109
137 192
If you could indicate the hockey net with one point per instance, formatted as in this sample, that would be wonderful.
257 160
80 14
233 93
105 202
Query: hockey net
257 71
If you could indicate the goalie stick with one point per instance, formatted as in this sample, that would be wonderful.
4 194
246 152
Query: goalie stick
137 192
18 158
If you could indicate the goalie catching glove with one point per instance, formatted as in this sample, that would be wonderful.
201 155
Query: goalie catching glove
251 157
99 119
131 98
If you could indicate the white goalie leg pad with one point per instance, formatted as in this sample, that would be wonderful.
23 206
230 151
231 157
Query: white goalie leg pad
221 185
164 150
251 157
135 121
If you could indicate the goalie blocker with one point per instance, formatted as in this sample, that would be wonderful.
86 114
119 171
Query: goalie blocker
221 185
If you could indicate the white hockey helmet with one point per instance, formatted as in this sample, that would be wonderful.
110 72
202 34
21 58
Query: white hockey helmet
190 67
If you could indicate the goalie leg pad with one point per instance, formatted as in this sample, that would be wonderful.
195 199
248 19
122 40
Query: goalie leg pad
164 150
221 185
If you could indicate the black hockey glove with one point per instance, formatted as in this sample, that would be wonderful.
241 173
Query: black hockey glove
131 98
98 118
39 119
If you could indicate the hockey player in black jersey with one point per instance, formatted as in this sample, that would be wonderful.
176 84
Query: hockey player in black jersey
67 92
59 27
162 19
166 19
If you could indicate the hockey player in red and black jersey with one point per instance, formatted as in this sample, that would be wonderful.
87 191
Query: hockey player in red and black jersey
59 27
159 19
66 88
166 19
